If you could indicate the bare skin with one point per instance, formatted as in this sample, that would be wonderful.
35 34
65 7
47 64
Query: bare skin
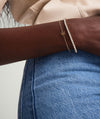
17 44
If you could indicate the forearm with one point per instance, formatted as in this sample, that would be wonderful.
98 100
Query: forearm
22 43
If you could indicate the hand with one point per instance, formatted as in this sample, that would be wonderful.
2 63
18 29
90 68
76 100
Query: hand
86 33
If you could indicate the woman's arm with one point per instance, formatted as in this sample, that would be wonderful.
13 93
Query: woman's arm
22 43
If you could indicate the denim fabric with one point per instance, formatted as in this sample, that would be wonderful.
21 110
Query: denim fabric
61 86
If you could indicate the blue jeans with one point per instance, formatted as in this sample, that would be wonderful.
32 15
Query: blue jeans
61 86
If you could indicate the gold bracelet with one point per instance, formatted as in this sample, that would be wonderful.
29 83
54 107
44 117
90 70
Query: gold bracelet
63 34
72 41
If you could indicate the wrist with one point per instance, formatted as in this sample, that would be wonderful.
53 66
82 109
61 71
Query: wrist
67 35
77 30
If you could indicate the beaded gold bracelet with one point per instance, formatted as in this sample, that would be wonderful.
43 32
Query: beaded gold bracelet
63 35
72 41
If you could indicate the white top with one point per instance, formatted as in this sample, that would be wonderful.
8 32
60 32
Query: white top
7 21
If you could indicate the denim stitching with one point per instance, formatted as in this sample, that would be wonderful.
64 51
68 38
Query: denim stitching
33 92
24 77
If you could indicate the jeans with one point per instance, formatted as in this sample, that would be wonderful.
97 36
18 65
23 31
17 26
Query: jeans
61 86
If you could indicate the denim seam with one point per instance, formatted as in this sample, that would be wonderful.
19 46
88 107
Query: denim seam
25 74
33 92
